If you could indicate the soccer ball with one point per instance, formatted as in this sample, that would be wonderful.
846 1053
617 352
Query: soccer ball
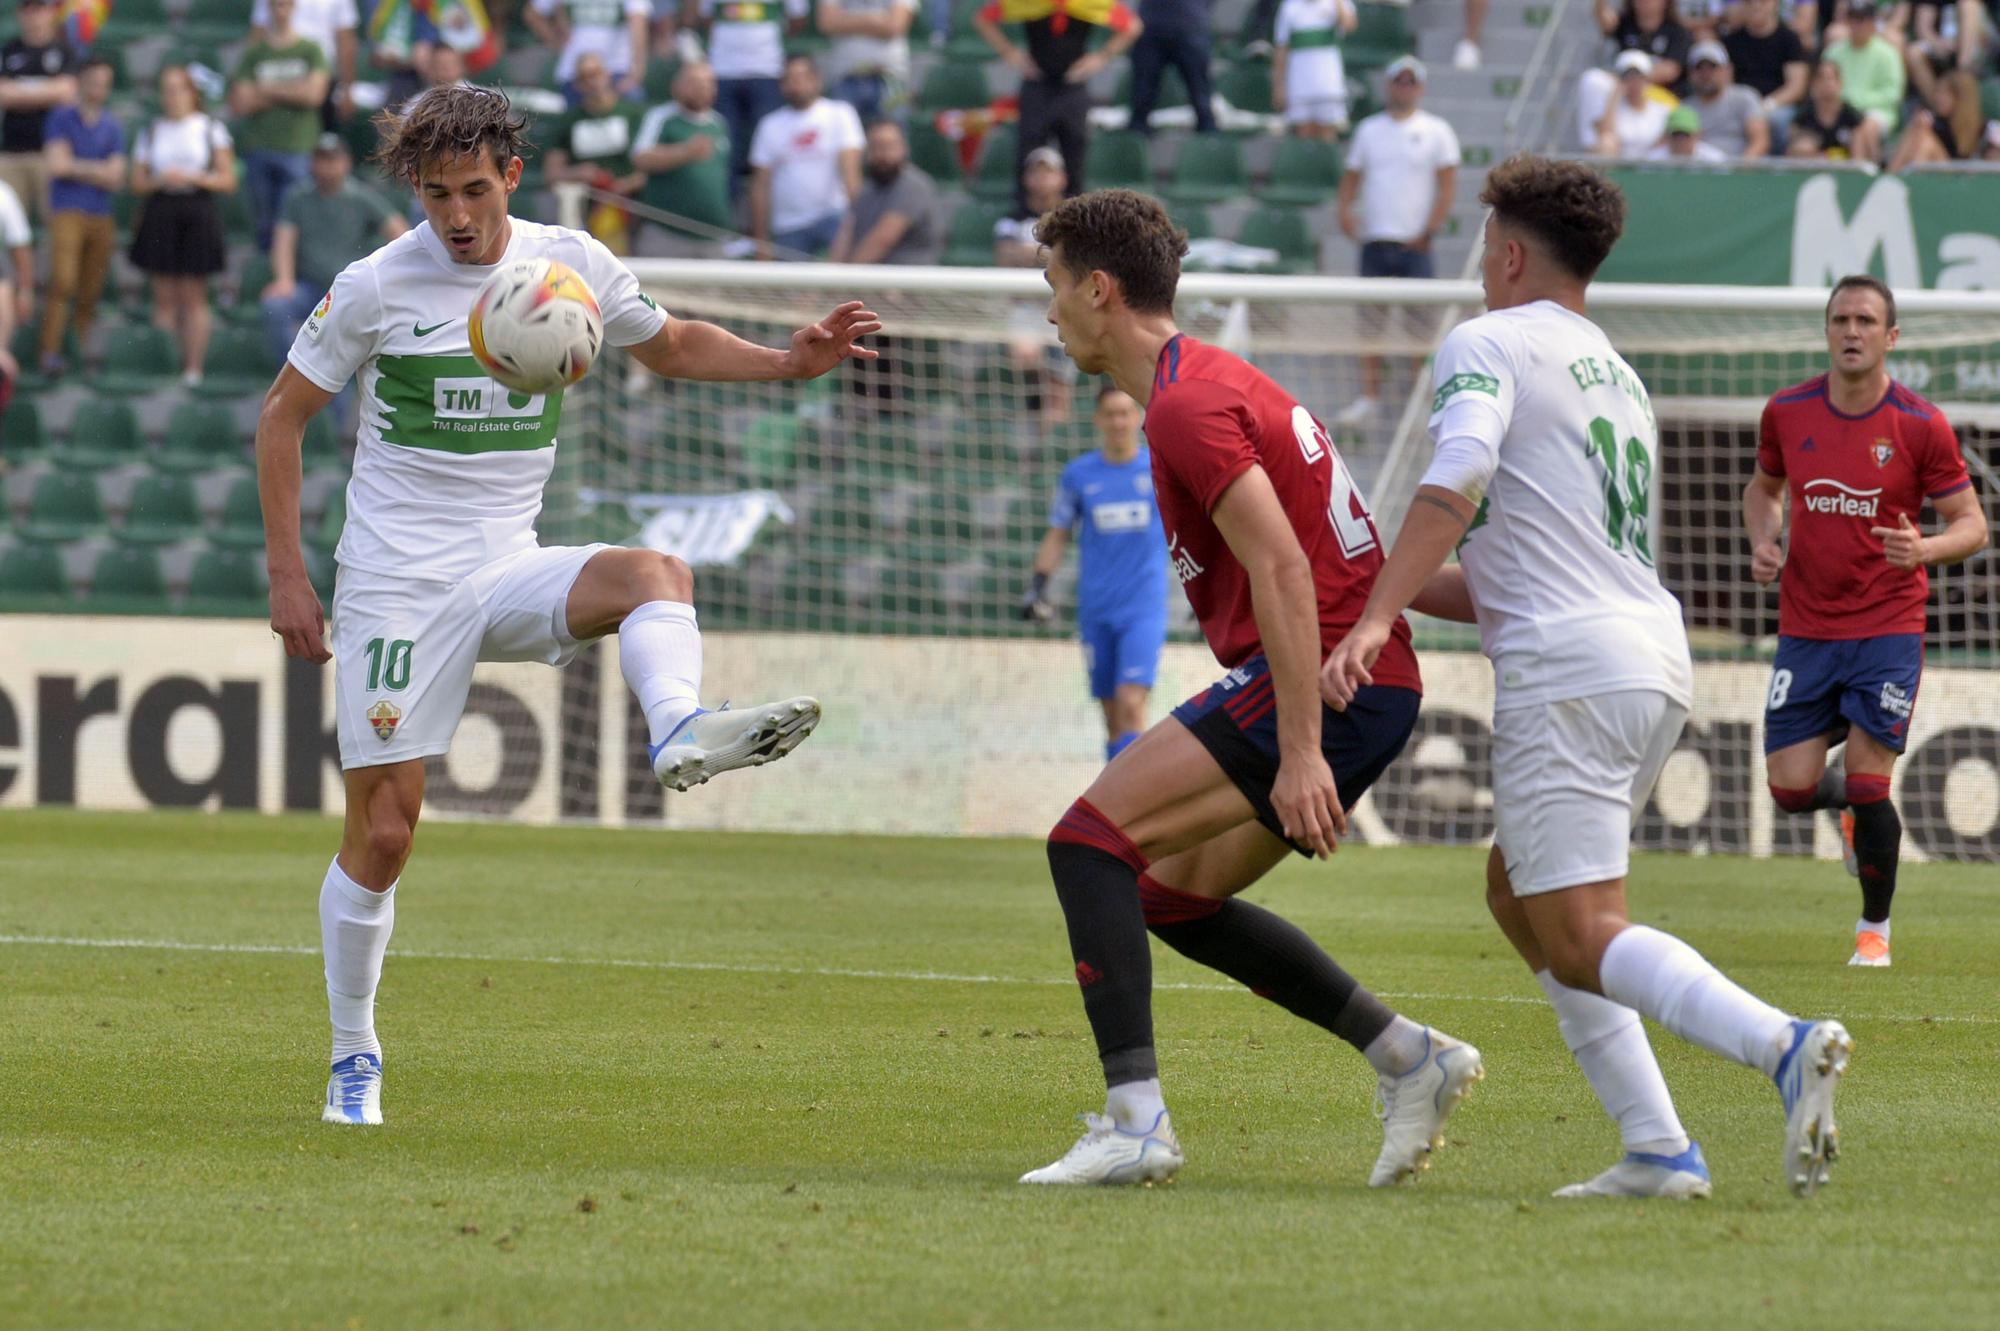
535 326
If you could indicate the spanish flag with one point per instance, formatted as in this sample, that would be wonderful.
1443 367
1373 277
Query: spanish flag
1104 13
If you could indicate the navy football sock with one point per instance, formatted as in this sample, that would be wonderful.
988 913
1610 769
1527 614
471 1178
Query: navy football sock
1096 870
1878 840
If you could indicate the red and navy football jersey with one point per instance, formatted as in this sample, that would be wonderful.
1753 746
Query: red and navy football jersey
1848 474
1212 417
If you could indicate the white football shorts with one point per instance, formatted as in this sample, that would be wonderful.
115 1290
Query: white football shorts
1326 109
1570 779
403 649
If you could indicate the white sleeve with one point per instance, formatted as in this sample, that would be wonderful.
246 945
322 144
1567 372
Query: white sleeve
218 135
260 14
343 331
851 133
345 15
764 142
638 7
1281 29
1448 153
630 316
14 229
1474 403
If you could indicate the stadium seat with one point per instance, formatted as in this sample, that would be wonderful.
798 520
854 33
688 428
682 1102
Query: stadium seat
1210 170
238 364
1283 230
242 524
659 82
238 222
128 573
969 243
951 86
102 433
994 178
1247 87
33 569
22 435
163 510
964 43
128 21
321 448
214 23
200 437
225 580
138 358
1118 160
247 308
1195 221
1382 34
768 447
935 154
64 507
1303 172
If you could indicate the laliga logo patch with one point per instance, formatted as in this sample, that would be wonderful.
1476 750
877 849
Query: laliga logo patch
314 324
1883 451
385 716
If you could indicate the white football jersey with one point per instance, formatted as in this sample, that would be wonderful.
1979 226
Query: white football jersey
449 466
1559 558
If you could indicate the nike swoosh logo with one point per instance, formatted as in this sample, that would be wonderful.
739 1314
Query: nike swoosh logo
422 331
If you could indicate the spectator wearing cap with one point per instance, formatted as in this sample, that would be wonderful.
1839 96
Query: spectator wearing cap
746 49
868 64
1056 66
592 146
1828 125
1655 27
894 216
1172 32
1732 117
85 149
1684 141
1044 184
805 165
331 26
1046 373
1308 72
1768 58
618 32
1637 116
37 74
324 225
1394 197
281 80
683 149
1871 68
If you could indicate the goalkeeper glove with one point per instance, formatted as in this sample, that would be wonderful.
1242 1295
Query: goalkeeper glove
1035 607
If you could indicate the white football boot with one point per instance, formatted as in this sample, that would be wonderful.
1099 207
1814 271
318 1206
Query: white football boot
709 743
354 1092
1414 1106
1683 1177
1107 1153
1807 1076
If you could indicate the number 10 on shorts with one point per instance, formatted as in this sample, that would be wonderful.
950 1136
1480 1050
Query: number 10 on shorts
388 663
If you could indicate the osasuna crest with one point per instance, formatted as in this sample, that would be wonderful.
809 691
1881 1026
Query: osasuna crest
1883 451
384 716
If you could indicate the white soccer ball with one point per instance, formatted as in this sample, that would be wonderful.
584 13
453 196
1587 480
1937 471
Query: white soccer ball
535 326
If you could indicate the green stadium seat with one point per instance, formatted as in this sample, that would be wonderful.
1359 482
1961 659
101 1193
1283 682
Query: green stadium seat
102 433
238 222
1247 87
22 434
1118 160
128 573
27 349
127 21
163 510
201 436
969 242
34 570
935 154
951 86
659 81
225 580
1210 169
1283 230
1989 98
242 523
994 179
1382 34
238 364
1194 220
321 448
247 307
138 358
1303 172
214 23
964 43
65 506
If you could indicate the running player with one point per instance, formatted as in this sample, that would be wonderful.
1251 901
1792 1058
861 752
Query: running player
1543 481
438 563
1861 454
1275 549
1121 576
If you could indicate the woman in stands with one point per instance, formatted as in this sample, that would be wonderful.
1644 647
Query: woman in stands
180 163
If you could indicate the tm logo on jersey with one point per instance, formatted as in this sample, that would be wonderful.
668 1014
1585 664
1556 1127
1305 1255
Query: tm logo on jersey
448 403
1824 495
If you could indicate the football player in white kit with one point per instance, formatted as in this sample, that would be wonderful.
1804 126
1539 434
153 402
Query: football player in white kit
1543 480
438 565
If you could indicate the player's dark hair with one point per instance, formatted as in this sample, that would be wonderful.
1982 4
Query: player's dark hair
1863 282
444 123
1124 234
1574 211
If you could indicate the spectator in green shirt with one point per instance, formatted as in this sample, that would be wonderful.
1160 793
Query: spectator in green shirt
683 150
280 82
592 146
1871 67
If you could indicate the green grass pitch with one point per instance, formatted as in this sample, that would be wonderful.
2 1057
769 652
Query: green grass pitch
664 1080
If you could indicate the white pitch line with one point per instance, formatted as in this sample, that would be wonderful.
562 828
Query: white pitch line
821 972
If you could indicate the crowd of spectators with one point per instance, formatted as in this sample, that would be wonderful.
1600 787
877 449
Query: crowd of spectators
1894 86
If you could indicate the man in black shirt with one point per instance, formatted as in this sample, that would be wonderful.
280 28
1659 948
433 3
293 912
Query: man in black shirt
1769 59
1056 67
1651 26
37 74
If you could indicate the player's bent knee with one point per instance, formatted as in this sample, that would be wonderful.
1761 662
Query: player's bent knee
1793 800
651 576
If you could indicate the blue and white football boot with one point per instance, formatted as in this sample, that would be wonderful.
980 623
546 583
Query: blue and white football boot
1806 1077
1414 1106
354 1091
1683 1177
1107 1153
709 743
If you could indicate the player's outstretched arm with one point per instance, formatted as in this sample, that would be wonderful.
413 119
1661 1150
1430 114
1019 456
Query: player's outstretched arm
1437 519
1252 521
296 614
693 349
1764 524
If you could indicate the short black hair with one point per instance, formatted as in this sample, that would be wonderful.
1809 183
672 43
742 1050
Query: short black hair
1125 234
96 62
1574 210
1864 282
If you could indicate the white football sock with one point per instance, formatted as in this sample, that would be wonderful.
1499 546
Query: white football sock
1135 1105
659 653
354 927
1610 1045
1401 1046
1871 927
1675 985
